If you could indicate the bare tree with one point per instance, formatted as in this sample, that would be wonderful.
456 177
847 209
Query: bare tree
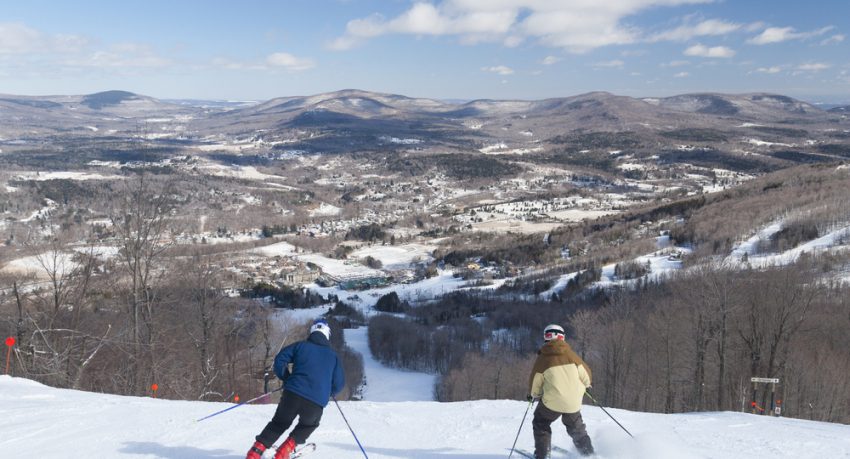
62 334
142 228
777 306
206 299
716 295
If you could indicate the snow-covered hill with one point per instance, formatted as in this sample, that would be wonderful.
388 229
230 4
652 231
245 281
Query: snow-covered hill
48 423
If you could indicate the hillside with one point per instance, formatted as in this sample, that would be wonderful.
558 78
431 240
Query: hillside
51 423
101 114
356 119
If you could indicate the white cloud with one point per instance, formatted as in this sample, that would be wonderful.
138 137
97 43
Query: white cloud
226 63
513 41
18 38
813 67
427 19
772 35
773 69
289 62
69 43
120 56
549 60
39 53
704 28
279 60
676 63
705 51
682 75
780 34
616 63
837 38
754 27
576 26
500 69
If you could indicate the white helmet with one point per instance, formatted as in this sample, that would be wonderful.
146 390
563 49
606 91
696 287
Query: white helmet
319 325
553 331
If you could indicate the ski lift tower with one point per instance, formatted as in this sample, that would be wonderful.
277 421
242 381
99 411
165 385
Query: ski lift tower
775 409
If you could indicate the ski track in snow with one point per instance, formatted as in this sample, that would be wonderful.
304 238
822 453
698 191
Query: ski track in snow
48 423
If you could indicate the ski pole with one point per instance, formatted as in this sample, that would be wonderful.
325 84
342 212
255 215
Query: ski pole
349 427
606 412
240 404
530 402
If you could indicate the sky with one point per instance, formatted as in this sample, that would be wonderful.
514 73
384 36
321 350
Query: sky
443 49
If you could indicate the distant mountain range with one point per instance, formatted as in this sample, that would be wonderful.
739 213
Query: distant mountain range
353 119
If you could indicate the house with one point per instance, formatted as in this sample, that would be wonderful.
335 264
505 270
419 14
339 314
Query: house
297 274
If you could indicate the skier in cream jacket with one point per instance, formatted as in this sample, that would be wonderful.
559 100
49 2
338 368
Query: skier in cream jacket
559 379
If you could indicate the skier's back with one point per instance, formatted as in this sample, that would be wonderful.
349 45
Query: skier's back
312 373
559 379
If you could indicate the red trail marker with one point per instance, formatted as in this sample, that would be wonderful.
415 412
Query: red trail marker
10 341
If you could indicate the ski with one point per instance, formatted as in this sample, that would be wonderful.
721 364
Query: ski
303 450
524 453
561 451
570 454
300 451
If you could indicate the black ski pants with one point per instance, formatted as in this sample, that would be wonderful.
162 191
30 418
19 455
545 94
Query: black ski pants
542 424
291 405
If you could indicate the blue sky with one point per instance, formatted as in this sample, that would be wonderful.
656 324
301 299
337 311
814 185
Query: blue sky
451 49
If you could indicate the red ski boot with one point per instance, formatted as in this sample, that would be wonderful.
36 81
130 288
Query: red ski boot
256 451
285 449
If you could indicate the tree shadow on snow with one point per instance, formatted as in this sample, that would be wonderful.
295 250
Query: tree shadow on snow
411 453
176 452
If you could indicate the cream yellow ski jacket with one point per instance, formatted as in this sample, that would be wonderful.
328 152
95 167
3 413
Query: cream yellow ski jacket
560 376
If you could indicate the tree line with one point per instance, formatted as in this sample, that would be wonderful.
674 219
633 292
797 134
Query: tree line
688 343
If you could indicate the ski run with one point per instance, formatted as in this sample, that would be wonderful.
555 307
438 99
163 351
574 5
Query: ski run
48 423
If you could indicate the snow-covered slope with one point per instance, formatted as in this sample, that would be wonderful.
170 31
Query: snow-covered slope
48 423
384 384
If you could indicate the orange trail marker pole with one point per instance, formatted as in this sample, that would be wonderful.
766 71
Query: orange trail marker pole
10 341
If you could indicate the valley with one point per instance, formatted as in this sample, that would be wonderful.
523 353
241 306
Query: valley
144 225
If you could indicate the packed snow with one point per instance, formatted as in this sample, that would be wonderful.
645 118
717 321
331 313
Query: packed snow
42 265
65 175
279 249
763 143
340 268
417 292
837 239
396 256
325 210
49 423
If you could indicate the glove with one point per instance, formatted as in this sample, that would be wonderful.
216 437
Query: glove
529 398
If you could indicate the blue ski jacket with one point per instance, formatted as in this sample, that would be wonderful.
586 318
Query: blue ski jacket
316 372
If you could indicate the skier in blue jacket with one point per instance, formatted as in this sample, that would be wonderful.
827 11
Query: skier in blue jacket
311 374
